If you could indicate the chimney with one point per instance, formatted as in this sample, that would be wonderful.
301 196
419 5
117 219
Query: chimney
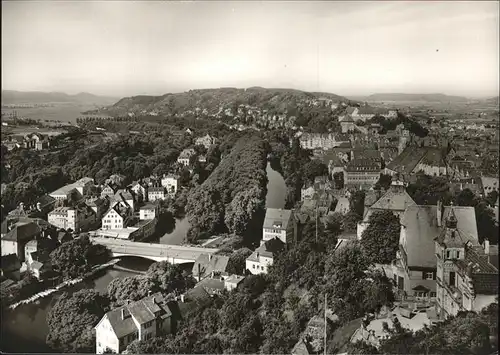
486 246
438 213
124 313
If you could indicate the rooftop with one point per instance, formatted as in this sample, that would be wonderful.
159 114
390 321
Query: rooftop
277 218
421 230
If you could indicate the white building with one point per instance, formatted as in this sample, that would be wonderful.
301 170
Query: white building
279 223
148 211
115 218
156 193
185 156
139 190
205 141
263 257
141 320
72 218
171 183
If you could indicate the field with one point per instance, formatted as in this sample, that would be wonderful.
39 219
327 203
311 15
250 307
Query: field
63 112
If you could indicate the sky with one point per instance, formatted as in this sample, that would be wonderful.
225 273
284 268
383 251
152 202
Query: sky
347 48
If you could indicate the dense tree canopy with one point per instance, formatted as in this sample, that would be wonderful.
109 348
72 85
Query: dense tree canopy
380 240
233 197
160 277
76 257
72 318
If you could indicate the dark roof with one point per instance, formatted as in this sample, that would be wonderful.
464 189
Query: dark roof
143 311
407 160
363 165
477 265
275 216
392 200
10 262
22 232
208 263
46 200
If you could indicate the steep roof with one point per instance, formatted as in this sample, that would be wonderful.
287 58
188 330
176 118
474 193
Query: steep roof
275 217
407 160
393 200
421 227
22 232
142 310
483 272
10 262
208 263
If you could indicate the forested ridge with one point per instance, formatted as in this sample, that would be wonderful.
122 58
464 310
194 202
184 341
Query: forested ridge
232 198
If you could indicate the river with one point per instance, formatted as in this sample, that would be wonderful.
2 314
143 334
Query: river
24 329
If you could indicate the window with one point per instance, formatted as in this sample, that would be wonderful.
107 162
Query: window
433 294
429 276
148 324
448 254
458 254
452 278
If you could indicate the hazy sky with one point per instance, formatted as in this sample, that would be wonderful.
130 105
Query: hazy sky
348 48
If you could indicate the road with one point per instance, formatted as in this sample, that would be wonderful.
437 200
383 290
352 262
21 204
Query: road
153 250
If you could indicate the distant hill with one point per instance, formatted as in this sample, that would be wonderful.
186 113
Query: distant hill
11 97
493 101
213 99
395 97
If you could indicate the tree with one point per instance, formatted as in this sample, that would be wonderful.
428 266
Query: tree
465 198
313 169
384 182
361 348
160 277
237 261
357 203
76 257
428 190
338 179
72 318
380 240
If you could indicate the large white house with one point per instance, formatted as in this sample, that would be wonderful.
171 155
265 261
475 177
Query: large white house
185 156
279 223
148 211
72 218
142 320
171 183
156 193
263 257
115 218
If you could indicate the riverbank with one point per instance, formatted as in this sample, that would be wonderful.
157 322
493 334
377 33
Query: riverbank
62 285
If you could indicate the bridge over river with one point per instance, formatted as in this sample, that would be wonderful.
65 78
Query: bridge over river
174 254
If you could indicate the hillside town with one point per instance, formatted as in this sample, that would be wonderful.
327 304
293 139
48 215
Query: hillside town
442 260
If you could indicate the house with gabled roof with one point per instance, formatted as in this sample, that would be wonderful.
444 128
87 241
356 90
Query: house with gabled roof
279 223
207 265
108 190
395 199
430 160
17 235
263 257
140 320
467 275
117 217
415 267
